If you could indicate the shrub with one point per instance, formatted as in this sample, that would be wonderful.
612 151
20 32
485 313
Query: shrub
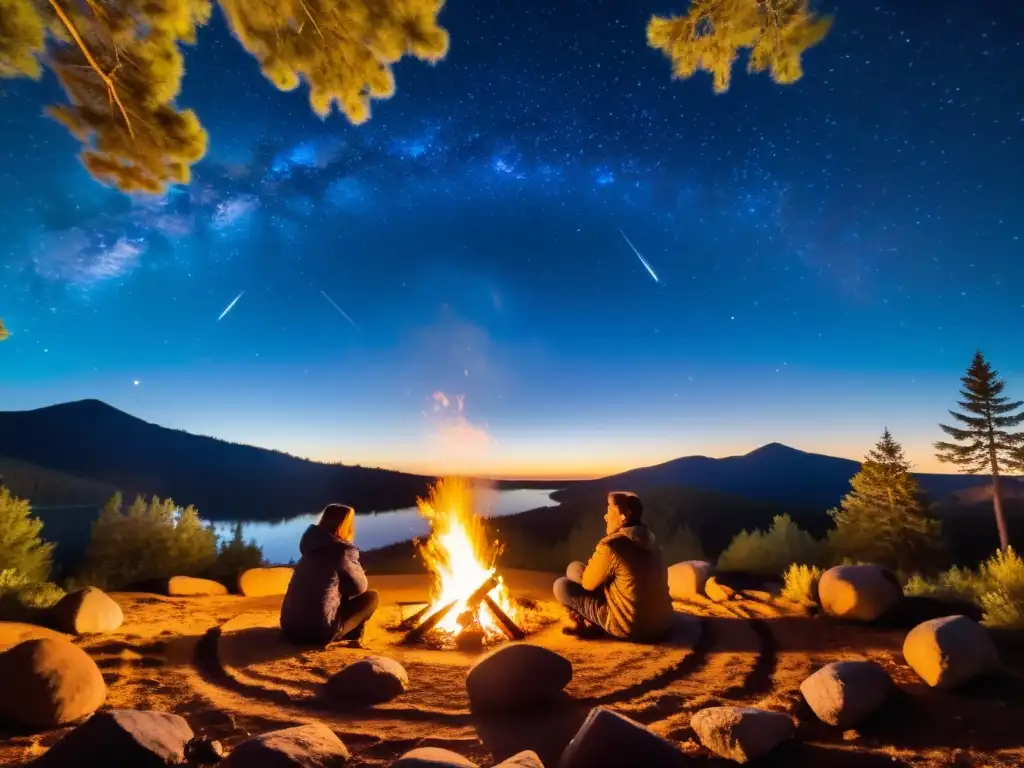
16 591
151 540
801 583
22 548
234 556
770 553
997 587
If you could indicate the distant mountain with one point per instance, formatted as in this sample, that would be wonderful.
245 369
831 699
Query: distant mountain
47 487
90 439
773 472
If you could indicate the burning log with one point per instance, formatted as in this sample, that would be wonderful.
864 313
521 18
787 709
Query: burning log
509 627
417 633
465 619
412 621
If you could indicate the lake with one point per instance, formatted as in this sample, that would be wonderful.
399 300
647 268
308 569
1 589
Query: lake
280 540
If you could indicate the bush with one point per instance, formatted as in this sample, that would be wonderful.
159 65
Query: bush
149 541
22 548
801 583
997 587
235 555
770 553
17 592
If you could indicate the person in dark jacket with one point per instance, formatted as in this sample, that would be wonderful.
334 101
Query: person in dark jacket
623 590
327 598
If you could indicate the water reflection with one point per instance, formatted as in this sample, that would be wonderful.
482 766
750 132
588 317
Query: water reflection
280 540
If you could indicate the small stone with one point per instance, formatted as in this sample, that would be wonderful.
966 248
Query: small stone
851 735
86 611
432 757
717 592
845 692
122 737
607 738
686 580
55 682
312 745
204 751
517 676
741 734
369 681
189 586
522 760
858 592
261 582
950 651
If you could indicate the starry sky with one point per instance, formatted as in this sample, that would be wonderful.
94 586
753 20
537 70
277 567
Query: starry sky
449 287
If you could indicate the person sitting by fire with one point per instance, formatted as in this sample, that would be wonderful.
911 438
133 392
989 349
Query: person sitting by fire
327 598
623 590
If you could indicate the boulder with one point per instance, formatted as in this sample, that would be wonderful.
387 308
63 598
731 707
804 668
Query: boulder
55 683
522 760
432 757
189 586
609 740
369 681
14 632
85 611
517 676
858 592
741 734
312 745
845 692
950 651
686 580
122 738
260 582
718 592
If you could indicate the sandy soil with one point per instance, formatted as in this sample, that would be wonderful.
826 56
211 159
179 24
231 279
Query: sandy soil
221 663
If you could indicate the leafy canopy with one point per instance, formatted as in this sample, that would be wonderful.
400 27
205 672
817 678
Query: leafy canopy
883 519
770 553
711 35
120 64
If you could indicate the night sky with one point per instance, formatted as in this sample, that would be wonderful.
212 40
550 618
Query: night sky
829 254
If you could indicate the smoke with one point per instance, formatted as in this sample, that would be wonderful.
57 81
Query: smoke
452 434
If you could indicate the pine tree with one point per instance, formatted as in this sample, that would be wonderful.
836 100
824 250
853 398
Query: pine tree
712 33
883 519
986 442
22 549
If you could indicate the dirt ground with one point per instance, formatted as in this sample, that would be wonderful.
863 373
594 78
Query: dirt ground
220 663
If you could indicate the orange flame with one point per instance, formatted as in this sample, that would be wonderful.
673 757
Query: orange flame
460 558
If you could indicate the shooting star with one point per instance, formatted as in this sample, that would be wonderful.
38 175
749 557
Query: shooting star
230 307
642 259
342 311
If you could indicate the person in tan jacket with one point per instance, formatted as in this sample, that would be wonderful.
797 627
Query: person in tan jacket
623 588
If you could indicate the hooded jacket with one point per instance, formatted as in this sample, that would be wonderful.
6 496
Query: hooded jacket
629 568
328 573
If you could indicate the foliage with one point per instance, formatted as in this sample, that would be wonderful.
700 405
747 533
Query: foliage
4 333
48 487
800 583
120 65
710 36
22 548
770 553
883 519
17 590
985 441
234 556
997 586
149 541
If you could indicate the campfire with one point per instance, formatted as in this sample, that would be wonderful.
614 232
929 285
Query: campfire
470 606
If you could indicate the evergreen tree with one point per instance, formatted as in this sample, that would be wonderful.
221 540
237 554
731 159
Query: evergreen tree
883 519
22 549
986 442
236 555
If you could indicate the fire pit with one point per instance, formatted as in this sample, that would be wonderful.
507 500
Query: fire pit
470 606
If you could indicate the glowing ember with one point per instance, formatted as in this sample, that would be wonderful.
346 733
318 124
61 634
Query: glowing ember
460 559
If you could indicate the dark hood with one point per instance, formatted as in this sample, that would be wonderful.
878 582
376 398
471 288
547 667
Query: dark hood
316 539
639 534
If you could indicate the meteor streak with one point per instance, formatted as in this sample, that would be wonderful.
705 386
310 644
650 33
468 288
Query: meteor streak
230 307
642 259
342 311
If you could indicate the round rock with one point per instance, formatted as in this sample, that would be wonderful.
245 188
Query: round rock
522 760
686 580
950 651
312 745
122 737
845 692
55 682
607 738
432 757
517 676
261 582
85 611
858 592
189 586
369 681
717 591
741 734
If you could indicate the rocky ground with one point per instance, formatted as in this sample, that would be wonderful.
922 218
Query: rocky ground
220 663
